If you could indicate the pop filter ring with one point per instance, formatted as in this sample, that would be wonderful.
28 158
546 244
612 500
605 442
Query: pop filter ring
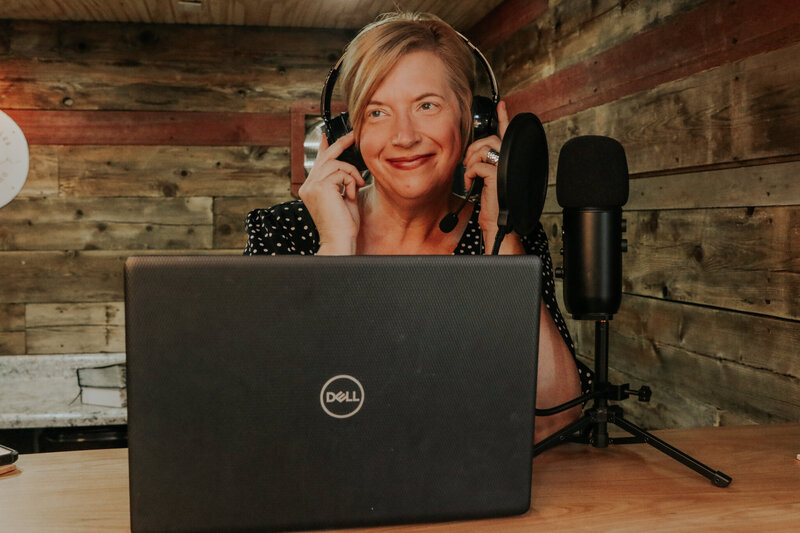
522 174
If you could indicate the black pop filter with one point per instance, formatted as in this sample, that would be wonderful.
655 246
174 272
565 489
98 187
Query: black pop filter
522 173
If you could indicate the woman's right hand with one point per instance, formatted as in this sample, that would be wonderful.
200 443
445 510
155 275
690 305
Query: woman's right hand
330 193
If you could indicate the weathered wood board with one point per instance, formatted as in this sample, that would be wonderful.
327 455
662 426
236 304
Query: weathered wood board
745 259
173 171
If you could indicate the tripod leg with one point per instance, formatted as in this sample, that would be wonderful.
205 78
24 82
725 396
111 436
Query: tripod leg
562 435
717 478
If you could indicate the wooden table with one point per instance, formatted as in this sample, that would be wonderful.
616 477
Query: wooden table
576 488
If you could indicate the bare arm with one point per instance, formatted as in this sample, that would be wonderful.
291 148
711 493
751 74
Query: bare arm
558 380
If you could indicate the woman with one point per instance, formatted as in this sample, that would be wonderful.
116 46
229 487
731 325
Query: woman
408 81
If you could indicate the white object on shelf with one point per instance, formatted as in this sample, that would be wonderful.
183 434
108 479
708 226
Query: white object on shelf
14 159
107 397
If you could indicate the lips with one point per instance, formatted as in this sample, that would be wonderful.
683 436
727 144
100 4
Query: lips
409 162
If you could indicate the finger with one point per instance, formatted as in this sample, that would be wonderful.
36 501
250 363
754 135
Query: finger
337 175
351 189
502 117
468 182
481 147
328 170
348 184
351 171
480 170
478 150
335 150
483 171
344 175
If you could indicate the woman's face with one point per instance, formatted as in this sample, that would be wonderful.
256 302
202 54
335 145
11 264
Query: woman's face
410 137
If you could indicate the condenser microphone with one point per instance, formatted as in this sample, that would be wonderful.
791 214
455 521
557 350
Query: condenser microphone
592 187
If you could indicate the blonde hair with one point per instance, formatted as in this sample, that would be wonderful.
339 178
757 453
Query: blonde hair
380 45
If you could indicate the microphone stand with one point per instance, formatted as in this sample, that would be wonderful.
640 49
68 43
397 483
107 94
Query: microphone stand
592 427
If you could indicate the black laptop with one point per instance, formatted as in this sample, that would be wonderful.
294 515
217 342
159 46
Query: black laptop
281 393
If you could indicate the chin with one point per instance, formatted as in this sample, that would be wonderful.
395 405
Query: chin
415 185
418 188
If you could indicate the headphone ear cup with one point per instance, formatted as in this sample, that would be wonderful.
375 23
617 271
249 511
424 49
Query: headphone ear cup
353 156
335 129
484 124
484 117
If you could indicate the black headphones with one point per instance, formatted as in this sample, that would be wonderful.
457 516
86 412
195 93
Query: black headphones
484 111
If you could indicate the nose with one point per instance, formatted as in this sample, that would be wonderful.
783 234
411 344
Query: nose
405 134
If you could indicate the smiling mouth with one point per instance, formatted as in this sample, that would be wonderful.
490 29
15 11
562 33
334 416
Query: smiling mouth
409 162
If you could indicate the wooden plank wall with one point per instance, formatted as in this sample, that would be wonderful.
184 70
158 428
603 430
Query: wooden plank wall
143 139
705 98
159 138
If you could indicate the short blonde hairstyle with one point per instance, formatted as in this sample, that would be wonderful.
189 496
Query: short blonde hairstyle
380 45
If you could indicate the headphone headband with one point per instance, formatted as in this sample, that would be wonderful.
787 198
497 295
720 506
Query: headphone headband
327 91
486 67
333 75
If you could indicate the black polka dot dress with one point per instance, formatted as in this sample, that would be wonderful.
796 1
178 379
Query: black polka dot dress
288 229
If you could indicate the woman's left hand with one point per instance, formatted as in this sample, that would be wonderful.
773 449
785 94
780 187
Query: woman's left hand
477 167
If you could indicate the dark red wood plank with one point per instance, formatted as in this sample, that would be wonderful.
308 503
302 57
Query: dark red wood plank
504 20
175 128
711 35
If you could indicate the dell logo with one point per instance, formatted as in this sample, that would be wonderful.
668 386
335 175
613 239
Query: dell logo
342 396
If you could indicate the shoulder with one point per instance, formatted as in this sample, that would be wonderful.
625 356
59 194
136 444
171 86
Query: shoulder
282 228
280 214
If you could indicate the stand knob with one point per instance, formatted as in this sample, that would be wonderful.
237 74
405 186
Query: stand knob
644 393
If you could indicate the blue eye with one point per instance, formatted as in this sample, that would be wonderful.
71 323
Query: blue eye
374 113
428 106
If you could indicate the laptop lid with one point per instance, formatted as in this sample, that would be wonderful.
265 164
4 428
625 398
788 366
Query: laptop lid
273 393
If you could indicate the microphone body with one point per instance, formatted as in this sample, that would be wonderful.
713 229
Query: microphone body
592 187
592 262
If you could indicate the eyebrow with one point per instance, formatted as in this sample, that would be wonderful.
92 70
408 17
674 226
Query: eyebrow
417 99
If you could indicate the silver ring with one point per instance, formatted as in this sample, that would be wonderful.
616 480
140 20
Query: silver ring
493 157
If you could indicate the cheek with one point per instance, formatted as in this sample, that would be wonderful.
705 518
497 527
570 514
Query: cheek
453 136
452 129
370 142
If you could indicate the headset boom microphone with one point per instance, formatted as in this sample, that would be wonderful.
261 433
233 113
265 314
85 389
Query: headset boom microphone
592 187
